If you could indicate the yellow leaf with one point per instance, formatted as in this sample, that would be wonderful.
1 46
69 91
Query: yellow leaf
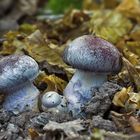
8 47
41 53
135 33
33 133
132 57
127 98
129 49
90 4
130 8
134 46
121 97
135 123
53 82
40 50
27 28
59 83
133 73
133 101
110 25
13 45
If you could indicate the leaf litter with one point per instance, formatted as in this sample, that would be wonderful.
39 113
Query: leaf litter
117 103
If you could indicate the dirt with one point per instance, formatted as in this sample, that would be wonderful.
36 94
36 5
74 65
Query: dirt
102 100
99 122
16 126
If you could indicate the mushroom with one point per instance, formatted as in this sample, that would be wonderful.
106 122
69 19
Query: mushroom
53 102
94 58
16 75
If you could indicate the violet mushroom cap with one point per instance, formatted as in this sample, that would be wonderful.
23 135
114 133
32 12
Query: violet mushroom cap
53 102
16 75
94 58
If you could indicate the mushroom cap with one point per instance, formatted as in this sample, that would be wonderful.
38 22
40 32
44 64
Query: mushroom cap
15 70
94 54
51 99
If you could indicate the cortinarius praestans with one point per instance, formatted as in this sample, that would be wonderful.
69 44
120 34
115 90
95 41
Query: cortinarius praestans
53 102
94 58
16 75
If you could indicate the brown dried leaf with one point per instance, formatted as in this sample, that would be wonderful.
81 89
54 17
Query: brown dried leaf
128 52
134 46
70 128
33 133
110 25
121 97
53 82
132 57
92 4
128 99
135 123
130 8
13 44
58 83
8 47
135 33
121 120
134 100
38 47
133 73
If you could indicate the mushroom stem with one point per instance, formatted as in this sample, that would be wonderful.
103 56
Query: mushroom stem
81 88
23 97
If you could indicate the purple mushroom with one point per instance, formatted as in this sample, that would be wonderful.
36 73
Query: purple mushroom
16 75
94 58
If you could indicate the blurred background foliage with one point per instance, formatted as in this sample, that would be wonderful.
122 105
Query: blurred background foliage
59 6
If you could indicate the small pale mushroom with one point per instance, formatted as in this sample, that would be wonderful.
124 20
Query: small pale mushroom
16 75
94 59
53 102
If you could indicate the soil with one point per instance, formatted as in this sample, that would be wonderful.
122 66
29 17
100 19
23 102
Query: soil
17 126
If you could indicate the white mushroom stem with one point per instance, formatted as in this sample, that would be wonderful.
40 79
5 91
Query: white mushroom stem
22 97
81 87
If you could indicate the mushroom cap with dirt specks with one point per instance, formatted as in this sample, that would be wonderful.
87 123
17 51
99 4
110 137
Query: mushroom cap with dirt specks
15 70
94 54
51 99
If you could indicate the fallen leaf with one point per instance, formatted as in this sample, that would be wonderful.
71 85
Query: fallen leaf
8 47
134 46
33 133
130 8
110 25
38 48
70 128
135 123
133 101
121 119
135 33
53 69
133 73
58 83
97 134
132 57
128 99
27 28
53 82
121 97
